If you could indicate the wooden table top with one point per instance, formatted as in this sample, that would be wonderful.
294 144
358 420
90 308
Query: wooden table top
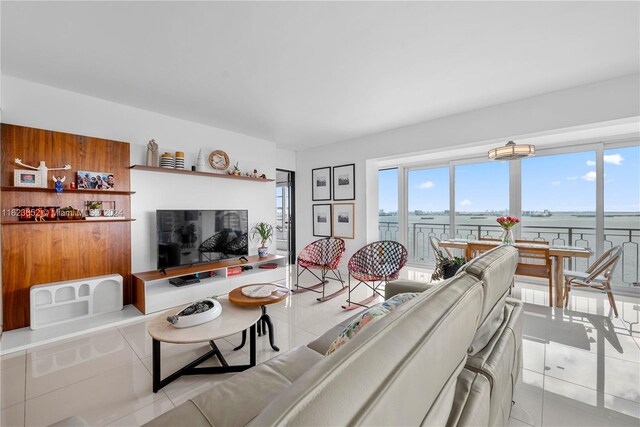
232 320
237 297
554 250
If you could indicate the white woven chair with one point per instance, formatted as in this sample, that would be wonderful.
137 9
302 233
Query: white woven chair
598 276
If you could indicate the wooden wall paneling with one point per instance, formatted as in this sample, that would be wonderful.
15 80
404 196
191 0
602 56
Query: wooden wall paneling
36 253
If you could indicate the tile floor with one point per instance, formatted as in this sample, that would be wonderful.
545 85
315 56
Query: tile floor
581 367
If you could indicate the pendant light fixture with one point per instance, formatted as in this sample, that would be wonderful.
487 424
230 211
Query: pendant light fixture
512 151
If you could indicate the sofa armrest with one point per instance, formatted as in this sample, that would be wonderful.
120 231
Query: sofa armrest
402 286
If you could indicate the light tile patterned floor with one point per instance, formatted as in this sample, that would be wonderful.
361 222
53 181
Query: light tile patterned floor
581 367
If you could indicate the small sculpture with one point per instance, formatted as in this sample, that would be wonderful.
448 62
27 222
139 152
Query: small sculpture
43 169
200 161
152 153
263 176
255 173
236 170
58 183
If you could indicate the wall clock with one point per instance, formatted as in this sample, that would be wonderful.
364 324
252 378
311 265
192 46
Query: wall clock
219 160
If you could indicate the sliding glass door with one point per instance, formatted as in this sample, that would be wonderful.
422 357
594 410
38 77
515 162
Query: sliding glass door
482 195
428 211
388 204
622 210
559 201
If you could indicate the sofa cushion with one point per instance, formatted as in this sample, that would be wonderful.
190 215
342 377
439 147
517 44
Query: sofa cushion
403 362
496 269
499 361
239 399
368 317
401 286
472 401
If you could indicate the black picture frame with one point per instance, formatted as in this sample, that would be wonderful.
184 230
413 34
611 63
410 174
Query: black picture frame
318 210
340 174
315 188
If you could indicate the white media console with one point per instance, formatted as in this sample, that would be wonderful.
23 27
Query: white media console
152 291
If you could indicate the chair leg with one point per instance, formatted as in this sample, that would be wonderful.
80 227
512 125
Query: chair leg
612 300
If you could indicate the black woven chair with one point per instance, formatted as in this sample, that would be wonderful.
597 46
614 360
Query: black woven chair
374 266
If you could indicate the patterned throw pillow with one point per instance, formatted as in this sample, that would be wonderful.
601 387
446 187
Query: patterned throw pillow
369 316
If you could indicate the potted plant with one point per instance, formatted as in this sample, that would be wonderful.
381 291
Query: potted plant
446 267
94 208
264 232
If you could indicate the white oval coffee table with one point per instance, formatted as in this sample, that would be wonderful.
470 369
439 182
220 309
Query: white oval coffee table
233 319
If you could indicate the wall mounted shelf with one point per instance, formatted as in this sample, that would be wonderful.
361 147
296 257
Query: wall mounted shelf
66 190
209 174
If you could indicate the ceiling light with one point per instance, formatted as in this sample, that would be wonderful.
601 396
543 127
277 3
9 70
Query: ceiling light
511 151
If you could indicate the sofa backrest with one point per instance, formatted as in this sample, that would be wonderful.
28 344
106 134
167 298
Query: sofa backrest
400 370
496 269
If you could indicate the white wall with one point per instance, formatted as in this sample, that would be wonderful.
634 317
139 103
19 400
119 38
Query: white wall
285 159
30 104
591 104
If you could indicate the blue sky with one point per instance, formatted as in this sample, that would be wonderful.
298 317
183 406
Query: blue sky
563 182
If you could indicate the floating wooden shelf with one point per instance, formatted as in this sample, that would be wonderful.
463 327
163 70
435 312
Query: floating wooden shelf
66 190
188 172
64 221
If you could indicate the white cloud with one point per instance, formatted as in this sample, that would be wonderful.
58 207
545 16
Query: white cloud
589 176
614 159
572 178
465 202
426 185
555 183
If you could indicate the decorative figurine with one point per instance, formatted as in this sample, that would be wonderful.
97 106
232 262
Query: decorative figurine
200 162
152 153
263 176
44 170
254 174
236 170
58 183
72 185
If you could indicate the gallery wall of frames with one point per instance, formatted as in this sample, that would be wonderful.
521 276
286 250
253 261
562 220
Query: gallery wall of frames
335 184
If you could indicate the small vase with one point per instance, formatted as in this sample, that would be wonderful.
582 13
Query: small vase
507 236
263 252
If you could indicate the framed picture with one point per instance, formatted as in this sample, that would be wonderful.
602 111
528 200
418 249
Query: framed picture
321 184
86 180
344 220
344 182
26 178
322 220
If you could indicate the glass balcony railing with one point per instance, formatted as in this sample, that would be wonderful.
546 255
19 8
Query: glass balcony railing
626 274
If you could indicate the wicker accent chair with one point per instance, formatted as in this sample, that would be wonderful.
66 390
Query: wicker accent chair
437 249
323 255
374 265
598 276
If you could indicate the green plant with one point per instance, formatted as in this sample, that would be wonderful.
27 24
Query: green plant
264 231
443 262
95 205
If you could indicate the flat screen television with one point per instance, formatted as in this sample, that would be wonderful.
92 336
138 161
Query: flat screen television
188 237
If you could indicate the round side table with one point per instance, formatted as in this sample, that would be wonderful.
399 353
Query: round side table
264 323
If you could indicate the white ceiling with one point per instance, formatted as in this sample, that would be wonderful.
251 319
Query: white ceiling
310 73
